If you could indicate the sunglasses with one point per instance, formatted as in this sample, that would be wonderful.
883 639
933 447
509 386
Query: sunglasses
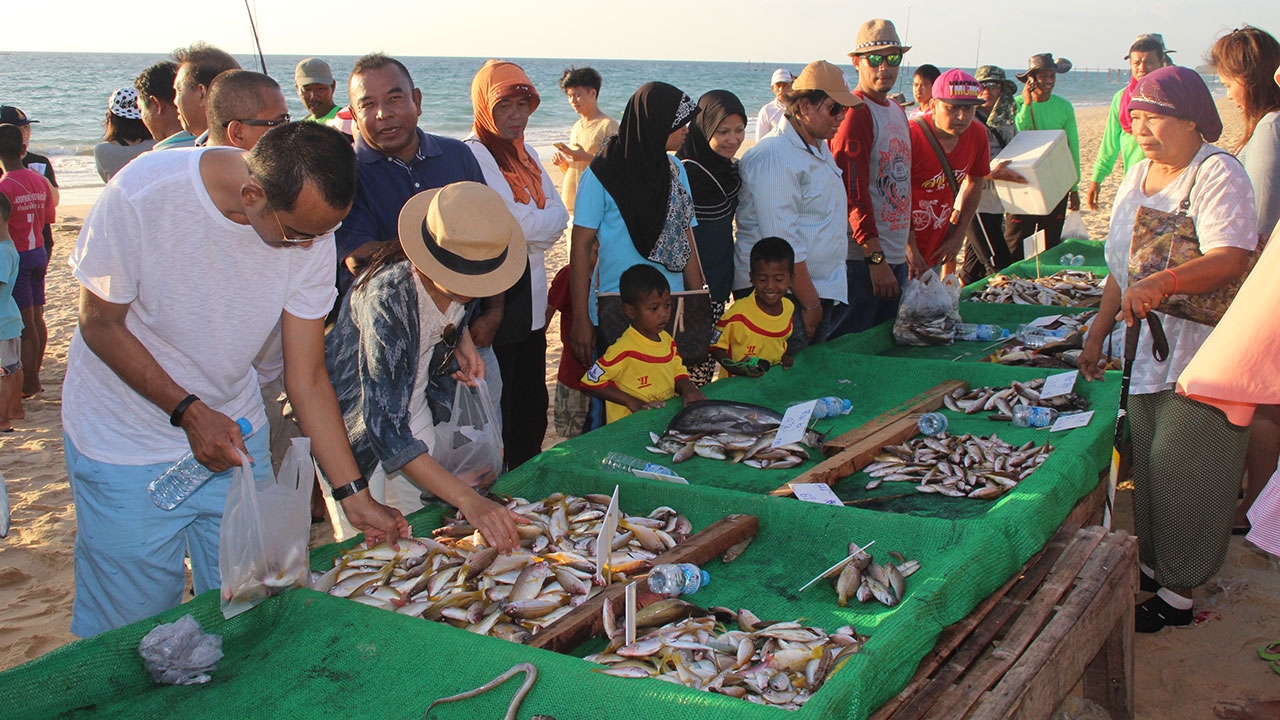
285 237
876 60
254 122
836 109
449 336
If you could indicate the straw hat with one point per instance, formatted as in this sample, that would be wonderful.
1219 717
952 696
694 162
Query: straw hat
875 36
822 75
463 237
1044 61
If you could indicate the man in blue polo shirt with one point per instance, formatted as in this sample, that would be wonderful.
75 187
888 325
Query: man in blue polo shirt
397 160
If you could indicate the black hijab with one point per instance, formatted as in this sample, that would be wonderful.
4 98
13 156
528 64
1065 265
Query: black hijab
633 165
715 192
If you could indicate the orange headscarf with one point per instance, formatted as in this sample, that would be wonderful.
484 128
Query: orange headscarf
496 81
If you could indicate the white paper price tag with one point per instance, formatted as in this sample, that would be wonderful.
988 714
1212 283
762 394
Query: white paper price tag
1072 421
794 423
1059 384
604 541
1045 321
815 493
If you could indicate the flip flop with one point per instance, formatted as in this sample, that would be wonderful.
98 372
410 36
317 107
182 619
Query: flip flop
1270 653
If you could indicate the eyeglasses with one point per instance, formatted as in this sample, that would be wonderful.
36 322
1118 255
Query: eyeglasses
875 60
836 108
449 336
303 238
254 122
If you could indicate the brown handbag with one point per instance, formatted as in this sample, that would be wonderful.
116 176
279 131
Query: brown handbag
1163 240
690 324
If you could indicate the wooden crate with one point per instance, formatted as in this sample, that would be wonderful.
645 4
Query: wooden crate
1065 620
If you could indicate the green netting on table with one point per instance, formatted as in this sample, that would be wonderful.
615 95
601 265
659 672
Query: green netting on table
879 339
306 655
874 384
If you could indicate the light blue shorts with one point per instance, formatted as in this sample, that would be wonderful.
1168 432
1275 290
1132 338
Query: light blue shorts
129 553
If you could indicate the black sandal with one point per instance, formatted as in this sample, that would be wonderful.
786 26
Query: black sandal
1155 614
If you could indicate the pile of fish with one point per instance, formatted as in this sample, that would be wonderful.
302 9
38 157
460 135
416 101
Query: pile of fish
457 578
957 465
862 578
736 654
1066 288
733 431
1001 401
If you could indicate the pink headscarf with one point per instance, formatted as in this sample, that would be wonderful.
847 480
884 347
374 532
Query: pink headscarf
1178 92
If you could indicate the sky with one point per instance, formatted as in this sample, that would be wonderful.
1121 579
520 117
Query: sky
1092 33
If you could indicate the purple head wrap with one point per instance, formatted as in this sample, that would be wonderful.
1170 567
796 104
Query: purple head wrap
1178 92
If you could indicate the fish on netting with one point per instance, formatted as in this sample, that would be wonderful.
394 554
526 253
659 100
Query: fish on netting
971 466
458 578
1001 402
736 654
732 431
1065 288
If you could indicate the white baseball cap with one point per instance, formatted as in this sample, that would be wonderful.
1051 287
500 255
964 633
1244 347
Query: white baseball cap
782 75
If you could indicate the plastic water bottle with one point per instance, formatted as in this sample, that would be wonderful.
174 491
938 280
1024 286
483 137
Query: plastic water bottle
1036 417
184 477
829 407
1034 336
933 423
619 462
982 331
681 579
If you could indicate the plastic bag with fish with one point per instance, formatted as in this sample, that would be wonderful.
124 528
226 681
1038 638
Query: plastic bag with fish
929 311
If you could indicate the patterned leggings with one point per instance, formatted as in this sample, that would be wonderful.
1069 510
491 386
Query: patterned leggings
1187 464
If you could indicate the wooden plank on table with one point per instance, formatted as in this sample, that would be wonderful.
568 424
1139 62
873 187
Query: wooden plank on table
586 620
853 459
926 401
985 673
1035 685
960 644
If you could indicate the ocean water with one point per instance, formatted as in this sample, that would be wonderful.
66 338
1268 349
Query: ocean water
68 93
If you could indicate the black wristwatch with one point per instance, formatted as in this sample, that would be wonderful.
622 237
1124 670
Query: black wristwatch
351 488
875 257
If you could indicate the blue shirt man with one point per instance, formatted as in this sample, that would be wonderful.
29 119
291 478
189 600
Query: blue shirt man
397 160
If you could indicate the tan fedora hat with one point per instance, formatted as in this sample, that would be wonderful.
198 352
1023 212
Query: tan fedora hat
876 36
464 238
822 75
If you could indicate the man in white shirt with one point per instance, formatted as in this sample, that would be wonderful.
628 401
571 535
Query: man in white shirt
771 113
187 262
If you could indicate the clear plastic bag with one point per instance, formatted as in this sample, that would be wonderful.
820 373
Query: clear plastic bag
929 311
469 443
1073 227
180 652
263 541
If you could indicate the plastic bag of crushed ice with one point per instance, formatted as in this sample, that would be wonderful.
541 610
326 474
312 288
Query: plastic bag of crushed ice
180 653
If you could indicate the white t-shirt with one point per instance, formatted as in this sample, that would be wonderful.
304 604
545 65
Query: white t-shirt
1222 205
542 226
769 117
203 292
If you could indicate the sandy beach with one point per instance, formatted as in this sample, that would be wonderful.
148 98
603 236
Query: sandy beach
1240 608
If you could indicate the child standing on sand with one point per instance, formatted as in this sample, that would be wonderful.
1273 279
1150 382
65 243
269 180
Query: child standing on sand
10 325
753 333
642 370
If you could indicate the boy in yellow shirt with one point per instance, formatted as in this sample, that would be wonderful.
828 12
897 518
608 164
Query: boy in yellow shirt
642 369
752 334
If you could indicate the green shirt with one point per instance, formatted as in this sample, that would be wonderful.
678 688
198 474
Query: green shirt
333 113
1115 143
1055 113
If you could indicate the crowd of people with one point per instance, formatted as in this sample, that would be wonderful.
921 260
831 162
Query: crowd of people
363 267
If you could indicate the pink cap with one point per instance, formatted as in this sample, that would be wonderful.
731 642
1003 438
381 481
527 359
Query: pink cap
957 87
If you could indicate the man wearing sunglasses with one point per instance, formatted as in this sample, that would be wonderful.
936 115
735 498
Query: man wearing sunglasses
242 107
873 150
187 262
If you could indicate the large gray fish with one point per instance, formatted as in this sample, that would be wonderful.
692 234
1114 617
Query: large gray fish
723 416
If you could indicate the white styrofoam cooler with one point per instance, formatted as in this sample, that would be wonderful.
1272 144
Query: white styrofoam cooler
1045 160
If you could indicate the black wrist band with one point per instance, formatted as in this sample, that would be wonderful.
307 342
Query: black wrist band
351 488
175 418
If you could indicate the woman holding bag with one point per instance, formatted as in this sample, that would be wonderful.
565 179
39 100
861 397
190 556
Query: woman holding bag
401 342
1187 456
634 201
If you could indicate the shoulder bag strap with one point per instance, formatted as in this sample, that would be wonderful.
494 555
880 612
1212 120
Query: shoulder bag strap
984 253
1185 205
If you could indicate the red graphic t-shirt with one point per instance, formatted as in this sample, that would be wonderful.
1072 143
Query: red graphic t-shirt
32 208
931 197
